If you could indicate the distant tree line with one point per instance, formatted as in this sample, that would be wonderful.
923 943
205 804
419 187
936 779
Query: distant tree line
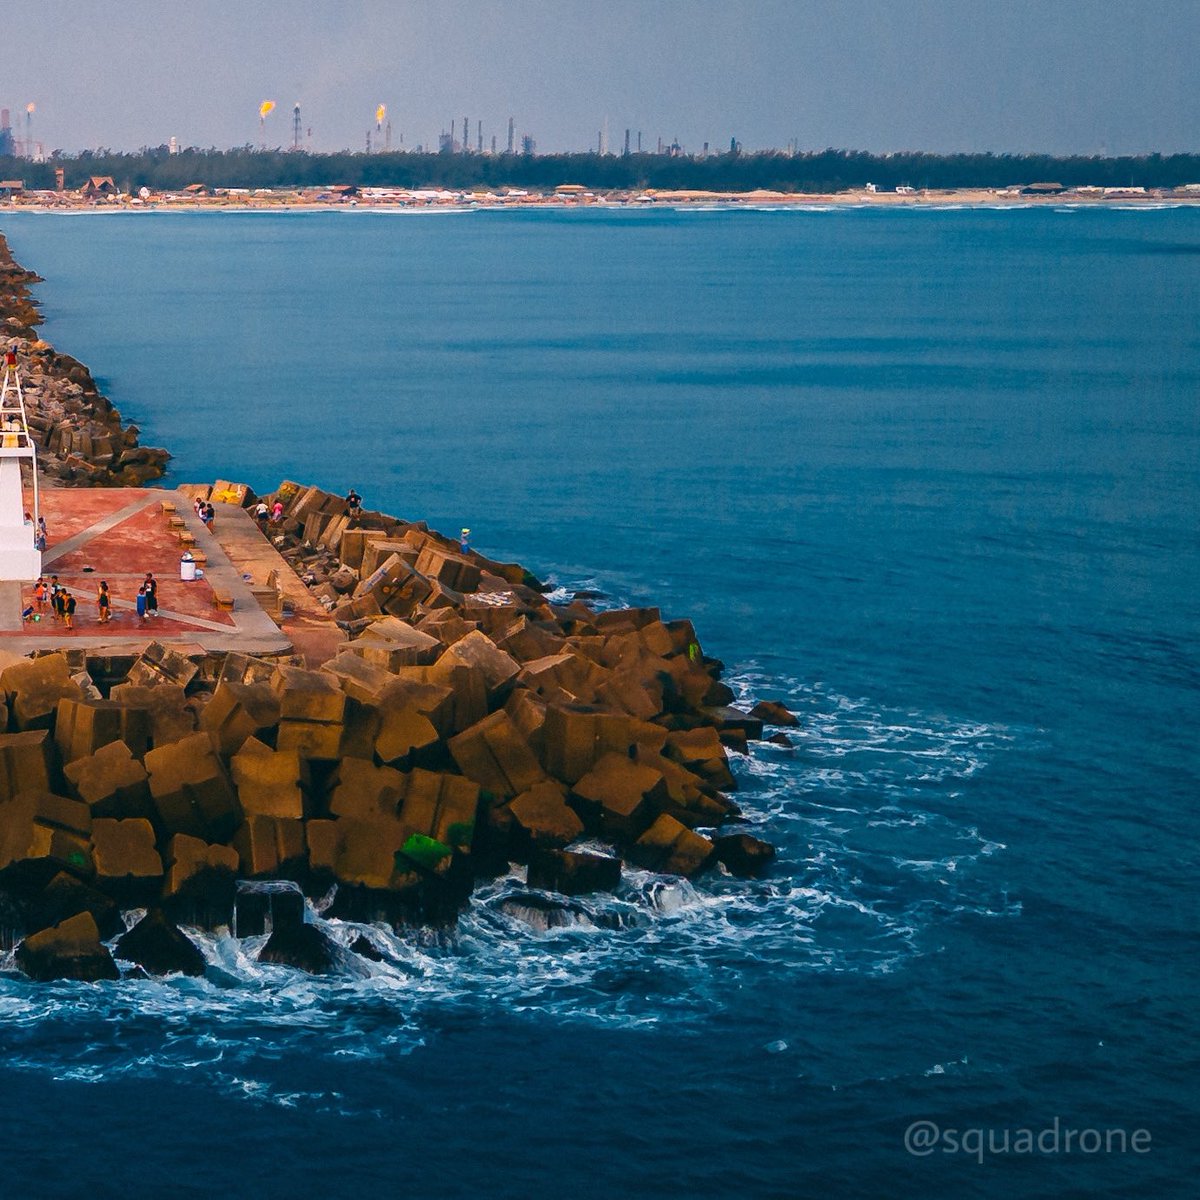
820 171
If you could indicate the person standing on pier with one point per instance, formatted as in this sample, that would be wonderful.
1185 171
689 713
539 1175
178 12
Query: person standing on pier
68 604
151 586
104 602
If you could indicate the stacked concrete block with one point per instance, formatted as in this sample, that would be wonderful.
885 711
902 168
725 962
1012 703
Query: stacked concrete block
171 716
478 651
191 792
238 711
391 643
111 782
360 679
451 569
312 710
25 762
672 848
543 818
81 727
362 791
270 783
159 665
269 846
619 797
126 859
494 754
35 686
42 834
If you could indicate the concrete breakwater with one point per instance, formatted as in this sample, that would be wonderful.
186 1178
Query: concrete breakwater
466 723
80 434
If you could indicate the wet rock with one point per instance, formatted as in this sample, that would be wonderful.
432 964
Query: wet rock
266 905
200 881
543 913
65 896
70 950
744 855
619 797
542 818
160 947
366 949
573 872
305 947
771 712
672 848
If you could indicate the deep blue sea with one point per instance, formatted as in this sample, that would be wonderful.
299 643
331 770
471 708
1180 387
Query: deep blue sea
932 478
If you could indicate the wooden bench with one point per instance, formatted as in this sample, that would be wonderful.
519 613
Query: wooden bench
199 558
175 522
222 601
167 508
186 539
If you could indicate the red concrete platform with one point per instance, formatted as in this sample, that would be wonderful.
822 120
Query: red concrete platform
119 535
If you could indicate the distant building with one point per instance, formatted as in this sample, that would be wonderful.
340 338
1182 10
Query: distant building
343 191
196 189
11 187
1042 189
98 186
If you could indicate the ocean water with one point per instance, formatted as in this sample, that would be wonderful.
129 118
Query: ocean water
930 477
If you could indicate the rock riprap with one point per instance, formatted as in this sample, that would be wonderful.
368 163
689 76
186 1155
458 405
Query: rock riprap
80 435
467 723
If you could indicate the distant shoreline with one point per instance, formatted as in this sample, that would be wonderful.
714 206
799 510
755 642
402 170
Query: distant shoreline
725 201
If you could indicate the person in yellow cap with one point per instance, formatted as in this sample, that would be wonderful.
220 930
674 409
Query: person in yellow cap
464 541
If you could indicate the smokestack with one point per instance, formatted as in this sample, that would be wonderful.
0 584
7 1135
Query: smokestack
511 127
387 137
493 145
466 146
479 142
627 143
639 141
296 126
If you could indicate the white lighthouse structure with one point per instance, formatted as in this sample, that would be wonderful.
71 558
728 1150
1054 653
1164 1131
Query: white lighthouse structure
20 559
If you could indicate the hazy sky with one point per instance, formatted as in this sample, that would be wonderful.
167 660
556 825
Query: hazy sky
1062 76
